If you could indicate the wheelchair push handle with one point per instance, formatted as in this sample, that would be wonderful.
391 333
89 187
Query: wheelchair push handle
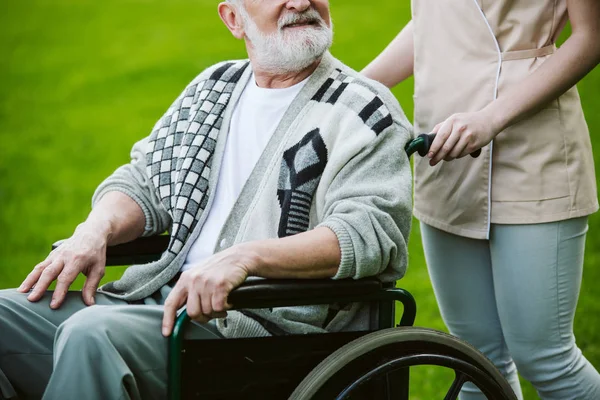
422 143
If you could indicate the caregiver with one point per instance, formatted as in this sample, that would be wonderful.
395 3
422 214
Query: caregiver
504 234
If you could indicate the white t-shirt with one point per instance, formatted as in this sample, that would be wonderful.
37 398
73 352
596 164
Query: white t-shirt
255 118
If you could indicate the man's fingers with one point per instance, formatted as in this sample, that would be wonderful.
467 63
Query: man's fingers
219 303
175 300
193 307
219 306
64 281
206 299
200 308
48 276
60 292
34 276
90 287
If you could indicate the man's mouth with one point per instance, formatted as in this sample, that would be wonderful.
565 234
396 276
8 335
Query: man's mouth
302 23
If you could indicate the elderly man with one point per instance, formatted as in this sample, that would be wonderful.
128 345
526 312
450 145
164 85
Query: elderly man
289 165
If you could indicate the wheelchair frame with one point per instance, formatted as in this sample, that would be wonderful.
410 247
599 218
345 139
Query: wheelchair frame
355 364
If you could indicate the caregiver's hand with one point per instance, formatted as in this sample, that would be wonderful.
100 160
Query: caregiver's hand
460 135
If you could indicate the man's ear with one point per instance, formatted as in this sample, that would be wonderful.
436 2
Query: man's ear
232 19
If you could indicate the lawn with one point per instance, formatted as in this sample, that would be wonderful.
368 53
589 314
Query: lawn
83 80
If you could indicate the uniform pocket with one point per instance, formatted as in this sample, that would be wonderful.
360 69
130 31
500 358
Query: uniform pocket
530 160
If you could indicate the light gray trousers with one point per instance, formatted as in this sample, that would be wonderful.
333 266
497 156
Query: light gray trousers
112 350
514 298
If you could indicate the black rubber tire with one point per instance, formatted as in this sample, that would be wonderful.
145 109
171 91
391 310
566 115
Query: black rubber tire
404 341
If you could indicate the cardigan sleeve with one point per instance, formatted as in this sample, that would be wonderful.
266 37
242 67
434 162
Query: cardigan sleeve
369 207
132 180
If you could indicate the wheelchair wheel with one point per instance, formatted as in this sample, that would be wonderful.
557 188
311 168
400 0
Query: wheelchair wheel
345 372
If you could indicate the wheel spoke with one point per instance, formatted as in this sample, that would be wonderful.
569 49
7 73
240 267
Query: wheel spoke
459 381
463 370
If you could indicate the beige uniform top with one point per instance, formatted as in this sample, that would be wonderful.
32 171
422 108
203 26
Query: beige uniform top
539 170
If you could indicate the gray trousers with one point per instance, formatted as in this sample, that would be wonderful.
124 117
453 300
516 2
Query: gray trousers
112 350
514 298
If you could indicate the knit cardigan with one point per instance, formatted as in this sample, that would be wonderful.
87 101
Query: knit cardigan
336 160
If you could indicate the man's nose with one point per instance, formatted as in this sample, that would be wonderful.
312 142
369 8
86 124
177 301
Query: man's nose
298 5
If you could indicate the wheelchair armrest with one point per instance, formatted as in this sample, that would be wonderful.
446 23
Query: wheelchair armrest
266 293
271 293
260 293
139 251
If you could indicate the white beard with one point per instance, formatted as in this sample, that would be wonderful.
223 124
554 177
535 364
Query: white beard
288 51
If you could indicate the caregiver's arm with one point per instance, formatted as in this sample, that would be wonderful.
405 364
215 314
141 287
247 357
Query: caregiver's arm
396 62
462 134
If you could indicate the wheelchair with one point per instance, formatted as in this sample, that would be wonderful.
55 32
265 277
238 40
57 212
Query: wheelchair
370 364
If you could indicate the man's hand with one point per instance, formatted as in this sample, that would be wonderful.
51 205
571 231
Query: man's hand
84 252
204 289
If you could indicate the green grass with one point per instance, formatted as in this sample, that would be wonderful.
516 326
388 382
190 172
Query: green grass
83 80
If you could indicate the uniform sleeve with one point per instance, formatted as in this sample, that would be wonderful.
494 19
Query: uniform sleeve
369 208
